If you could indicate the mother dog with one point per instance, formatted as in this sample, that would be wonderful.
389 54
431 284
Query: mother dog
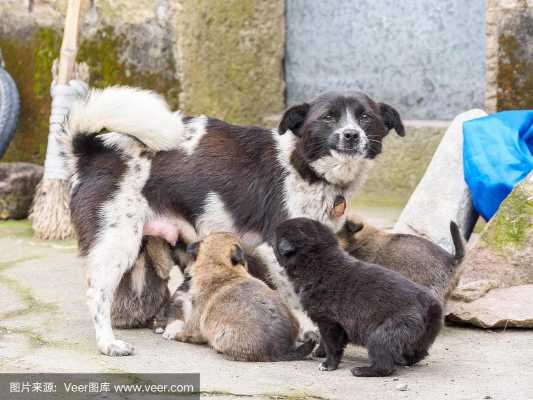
138 167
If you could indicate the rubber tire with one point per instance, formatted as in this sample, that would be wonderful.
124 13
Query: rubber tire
9 109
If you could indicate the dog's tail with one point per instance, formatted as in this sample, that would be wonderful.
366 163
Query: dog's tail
455 267
458 242
123 113
300 352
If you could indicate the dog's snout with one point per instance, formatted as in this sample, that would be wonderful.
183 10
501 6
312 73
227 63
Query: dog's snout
350 134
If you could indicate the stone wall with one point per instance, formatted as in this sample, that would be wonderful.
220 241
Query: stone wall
425 57
227 54
509 54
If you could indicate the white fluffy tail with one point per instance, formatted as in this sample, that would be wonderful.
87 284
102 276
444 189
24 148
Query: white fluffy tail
139 113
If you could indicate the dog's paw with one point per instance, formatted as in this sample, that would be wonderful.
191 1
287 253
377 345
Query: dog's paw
159 330
319 352
116 348
172 329
325 367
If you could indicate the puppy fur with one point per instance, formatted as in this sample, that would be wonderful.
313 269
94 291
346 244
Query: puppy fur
356 302
414 257
238 315
142 296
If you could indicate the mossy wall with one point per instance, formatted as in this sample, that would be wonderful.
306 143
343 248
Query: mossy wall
231 58
119 49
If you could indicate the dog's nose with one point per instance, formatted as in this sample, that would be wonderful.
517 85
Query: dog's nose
350 134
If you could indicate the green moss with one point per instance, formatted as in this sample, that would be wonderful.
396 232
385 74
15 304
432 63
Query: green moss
233 70
31 304
515 66
29 60
512 223
102 53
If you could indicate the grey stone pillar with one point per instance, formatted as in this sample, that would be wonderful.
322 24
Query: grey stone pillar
509 54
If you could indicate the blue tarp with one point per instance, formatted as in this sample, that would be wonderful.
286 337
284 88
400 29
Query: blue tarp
497 155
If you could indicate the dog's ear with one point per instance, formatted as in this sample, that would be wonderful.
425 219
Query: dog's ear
392 119
237 256
293 119
353 227
192 250
285 248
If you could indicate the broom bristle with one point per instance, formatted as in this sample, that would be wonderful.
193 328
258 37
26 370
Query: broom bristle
50 214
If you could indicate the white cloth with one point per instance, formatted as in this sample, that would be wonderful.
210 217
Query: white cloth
63 96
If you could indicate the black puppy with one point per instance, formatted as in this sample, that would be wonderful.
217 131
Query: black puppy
357 302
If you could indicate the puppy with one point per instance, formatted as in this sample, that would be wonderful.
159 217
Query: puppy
414 257
357 302
142 296
238 315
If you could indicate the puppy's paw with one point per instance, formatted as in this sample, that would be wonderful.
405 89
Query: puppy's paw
116 348
319 352
325 367
371 371
173 329
159 330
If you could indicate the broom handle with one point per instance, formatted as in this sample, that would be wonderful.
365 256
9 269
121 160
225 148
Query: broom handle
69 45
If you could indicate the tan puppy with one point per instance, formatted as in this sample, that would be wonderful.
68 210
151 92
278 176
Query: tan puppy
414 257
237 314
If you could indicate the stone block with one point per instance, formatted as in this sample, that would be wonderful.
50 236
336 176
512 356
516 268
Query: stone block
231 58
442 194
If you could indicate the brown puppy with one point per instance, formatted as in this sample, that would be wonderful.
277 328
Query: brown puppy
356 302
414 257
142 296
237 314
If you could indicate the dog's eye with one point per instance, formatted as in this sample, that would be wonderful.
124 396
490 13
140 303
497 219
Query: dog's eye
328 118
365 117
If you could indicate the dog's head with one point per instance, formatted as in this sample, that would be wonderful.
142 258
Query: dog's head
222 250
299 238
346 124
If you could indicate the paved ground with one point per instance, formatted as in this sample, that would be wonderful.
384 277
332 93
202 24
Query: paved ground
44 327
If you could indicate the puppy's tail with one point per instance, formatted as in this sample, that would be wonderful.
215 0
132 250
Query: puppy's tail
455 268
300 352
458 242
125 117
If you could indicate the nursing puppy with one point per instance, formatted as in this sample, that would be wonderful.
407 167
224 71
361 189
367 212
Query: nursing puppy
414 257
356 302
238 315
138 168
142 296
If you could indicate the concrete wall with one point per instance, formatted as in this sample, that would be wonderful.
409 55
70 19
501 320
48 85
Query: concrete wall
424 56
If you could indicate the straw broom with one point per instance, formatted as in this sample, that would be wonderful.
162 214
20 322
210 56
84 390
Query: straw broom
50 214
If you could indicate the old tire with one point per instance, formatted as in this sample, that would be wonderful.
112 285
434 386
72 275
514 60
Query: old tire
9 109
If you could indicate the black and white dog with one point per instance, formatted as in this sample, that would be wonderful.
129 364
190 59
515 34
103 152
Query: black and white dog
140 168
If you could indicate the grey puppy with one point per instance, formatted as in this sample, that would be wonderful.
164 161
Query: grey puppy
355 302
142 297
414 257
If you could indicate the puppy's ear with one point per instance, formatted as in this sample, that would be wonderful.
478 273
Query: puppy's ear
285 248
192 250
293 119
353 227
237 256
392 119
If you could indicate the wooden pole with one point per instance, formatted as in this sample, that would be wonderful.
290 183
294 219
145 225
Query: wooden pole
69 45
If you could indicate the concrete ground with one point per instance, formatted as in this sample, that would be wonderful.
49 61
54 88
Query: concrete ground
45 327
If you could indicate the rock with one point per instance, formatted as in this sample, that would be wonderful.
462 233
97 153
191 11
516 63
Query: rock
17 187
499 308
442 194
496 285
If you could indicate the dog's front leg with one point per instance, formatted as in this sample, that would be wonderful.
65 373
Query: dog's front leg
280 280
